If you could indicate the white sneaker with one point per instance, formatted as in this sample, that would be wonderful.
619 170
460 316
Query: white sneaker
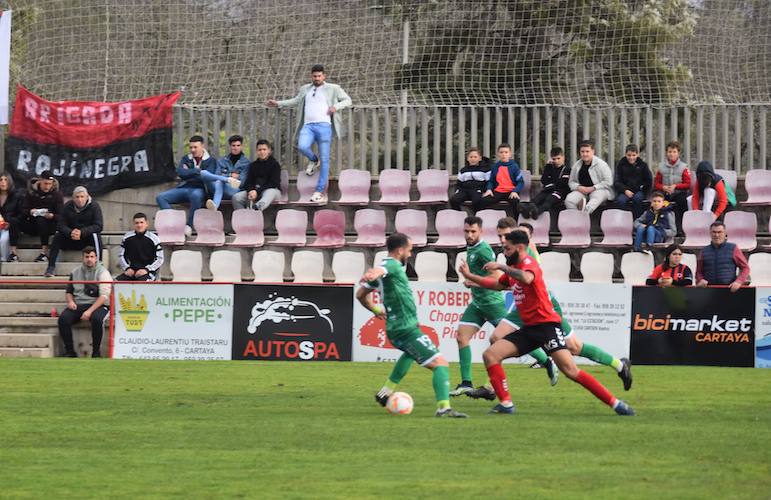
234 183
311 167
319 197
210 205
188 231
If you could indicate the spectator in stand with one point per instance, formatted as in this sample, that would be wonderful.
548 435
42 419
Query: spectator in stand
718 261
262 184
555 189
674 179
80 225
226 180
505 183
711 192
86 302
655 225
633 180
671 272
10 211
472 180
141 254
317 104
591 180
40 210
192 189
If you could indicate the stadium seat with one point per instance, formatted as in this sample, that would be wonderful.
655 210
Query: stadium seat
414 224
378 258
348 267
449 225
636 267
248 225
284 198
574 227
306 186
597 267
170 226
742 228
541 228
186 265
354 185
291 225
524 195
394 187
308 266
490 218
225 266
767 247
760 269
696 228
268 266
556 267
729 176
370 225
616 228
433 185
210 227
758 186
689 259
459 257
431 266
329 226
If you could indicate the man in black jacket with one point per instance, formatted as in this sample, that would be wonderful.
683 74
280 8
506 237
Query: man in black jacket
263 180
141 254
632 181
41 209
554 180
472 180
79 226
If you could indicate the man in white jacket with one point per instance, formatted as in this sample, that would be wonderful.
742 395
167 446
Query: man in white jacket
591 180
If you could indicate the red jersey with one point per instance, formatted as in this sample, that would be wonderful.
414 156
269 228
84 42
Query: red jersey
533 302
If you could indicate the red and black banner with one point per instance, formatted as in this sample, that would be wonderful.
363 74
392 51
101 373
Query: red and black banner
101 145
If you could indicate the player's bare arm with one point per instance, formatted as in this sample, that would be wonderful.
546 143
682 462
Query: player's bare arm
364 296
483 281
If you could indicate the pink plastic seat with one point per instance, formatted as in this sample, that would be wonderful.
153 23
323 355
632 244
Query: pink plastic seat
433 185
284 198
742 228
696 228
616 227
291 225
758 185
524 195
210 227
370 225
490 218
414 224
541 228
729 176
574 227
449 225
329 226
306 186
394 187
354 187
170 226
249 226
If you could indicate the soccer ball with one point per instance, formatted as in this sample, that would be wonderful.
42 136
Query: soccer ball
399 403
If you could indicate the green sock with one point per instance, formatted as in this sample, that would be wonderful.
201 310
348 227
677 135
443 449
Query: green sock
597 355
401 367
540 356
465 363
441 382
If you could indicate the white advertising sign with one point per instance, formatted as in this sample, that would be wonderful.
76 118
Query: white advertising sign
171 321
763 327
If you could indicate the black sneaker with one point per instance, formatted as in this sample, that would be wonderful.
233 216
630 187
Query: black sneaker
382 398
13 258
482 392
626 373
96 354
41 258
462 388
552 371
449 413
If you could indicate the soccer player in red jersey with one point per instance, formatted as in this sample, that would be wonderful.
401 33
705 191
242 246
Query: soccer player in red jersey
541 325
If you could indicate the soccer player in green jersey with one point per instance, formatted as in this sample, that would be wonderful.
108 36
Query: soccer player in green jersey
402 327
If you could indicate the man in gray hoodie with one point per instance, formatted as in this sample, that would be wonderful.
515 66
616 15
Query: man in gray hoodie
591 180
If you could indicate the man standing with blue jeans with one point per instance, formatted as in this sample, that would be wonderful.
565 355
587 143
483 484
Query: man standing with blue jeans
317 104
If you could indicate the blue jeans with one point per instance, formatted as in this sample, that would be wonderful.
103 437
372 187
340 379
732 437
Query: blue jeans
219 185
637 202
194 196
647 234
321 134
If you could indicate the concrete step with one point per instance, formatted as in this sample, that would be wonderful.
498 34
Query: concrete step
27 340
24 352
33 283
28 294
32 308
30 254
36 268
12 324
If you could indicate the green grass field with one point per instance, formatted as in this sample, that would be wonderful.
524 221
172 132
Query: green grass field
101 428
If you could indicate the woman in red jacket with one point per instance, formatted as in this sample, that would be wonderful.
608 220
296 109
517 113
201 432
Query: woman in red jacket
709 192
671 272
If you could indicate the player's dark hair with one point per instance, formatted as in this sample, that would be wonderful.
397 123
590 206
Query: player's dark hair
473 220
504 145
717 223
674 145
396 241
196 138
556 151
668 253
529 226
658 194
632 148
265 142
506 223
87 250
472 150
317 68
586 143
139 215
235 138
517 237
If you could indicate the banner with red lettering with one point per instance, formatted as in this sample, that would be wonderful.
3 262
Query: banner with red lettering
101 145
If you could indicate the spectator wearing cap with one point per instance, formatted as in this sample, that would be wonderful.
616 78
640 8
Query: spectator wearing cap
40 210
718 262
80 225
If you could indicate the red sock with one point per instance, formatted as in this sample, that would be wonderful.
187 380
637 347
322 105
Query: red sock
500 384
595 387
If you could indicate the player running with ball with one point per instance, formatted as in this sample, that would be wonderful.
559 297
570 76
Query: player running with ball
402 327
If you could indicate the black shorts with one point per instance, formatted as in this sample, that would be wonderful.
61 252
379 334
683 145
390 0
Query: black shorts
529 338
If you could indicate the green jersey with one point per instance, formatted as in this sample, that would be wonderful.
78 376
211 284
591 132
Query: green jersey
396 294
476 257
